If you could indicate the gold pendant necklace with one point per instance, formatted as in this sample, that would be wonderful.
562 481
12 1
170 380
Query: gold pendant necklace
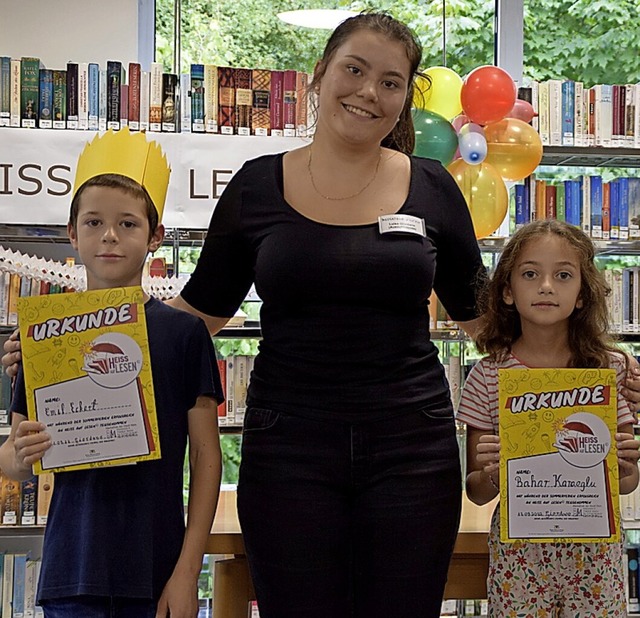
348 197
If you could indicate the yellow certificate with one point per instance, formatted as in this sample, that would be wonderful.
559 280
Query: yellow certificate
558 462
88 377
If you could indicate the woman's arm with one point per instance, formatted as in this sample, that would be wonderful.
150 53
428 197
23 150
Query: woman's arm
213 323
628 455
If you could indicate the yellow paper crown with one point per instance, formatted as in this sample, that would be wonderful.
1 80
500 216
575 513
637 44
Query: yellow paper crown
128 154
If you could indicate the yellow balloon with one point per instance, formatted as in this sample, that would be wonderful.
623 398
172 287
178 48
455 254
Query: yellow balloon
514 148
485 193
442 96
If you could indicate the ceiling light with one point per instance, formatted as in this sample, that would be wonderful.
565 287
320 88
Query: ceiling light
326 19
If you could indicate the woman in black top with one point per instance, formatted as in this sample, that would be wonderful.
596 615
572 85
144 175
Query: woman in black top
349 491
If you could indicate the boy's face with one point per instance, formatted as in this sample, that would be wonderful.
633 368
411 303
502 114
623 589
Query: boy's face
112 237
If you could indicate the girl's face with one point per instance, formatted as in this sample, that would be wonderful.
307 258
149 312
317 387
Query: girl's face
364 88
545 282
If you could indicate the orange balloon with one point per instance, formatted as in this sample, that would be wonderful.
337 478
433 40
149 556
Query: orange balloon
514 148
485 193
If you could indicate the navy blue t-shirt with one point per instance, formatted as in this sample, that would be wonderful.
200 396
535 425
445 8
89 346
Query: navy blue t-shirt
345 322
119 531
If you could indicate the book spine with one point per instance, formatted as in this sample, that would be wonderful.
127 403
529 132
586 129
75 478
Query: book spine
30 588
103 95
543 113
277 102
211 98
595 183
59 99
124 105
45 97
241 381
144 100
613 189
134 96
72 95
261 102
19 576
302 103
5 91
94 95
7 586
555 112
10 496
630 116
226 100
561 214
83 95
29 84
114 83
606 122
568 112
169 102
15 93
197 98
623 191
185 103
243 100
231 389
289 103
586 204
579 129
606 210
28 491
155 97
520 217
222 408
45 491
590 117
14 294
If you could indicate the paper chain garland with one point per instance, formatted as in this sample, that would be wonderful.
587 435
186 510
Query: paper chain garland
74 277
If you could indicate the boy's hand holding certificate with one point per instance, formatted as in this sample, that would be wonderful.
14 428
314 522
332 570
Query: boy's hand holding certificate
88 377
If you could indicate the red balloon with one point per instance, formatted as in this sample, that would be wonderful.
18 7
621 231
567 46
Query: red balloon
522 110
488 94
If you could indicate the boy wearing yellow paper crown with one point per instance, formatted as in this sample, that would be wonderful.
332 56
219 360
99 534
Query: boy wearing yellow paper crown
116 543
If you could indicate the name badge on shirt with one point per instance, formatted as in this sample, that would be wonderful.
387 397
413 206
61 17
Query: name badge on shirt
402 223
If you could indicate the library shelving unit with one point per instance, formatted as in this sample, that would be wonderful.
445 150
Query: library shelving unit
50 240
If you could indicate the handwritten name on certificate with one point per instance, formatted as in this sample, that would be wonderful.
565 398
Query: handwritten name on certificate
88 377
558 463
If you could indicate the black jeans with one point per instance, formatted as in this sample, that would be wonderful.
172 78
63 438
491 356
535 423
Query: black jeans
349 521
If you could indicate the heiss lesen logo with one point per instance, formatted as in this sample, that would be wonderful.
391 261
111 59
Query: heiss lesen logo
112 360
583 440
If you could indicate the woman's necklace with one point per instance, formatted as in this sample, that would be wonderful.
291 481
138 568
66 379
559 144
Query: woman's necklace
348 197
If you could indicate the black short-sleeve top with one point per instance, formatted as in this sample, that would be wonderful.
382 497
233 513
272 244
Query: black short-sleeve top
345 324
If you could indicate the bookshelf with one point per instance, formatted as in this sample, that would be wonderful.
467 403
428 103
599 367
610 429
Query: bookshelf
50 239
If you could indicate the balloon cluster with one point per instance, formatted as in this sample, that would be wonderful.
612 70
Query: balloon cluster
479 129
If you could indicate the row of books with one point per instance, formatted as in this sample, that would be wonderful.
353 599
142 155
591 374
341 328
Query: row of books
25 503
464 608
571 115
13 286
604 210
235 372
208 99
19 575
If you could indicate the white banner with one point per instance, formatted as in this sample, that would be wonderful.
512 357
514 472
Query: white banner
37 168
